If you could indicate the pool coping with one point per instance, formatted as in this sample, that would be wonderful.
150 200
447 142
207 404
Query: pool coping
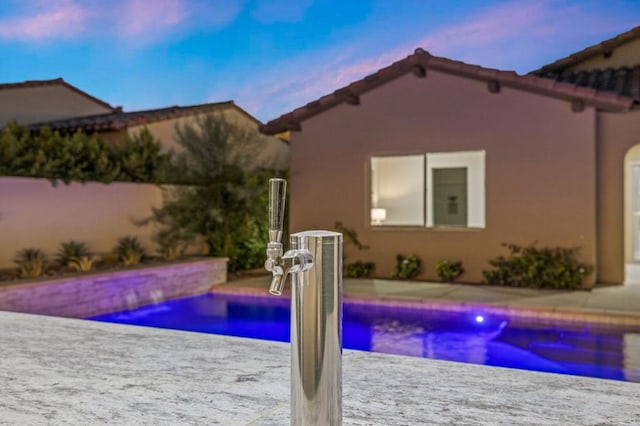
542 313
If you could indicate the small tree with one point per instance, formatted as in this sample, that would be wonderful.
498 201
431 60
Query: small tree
223 197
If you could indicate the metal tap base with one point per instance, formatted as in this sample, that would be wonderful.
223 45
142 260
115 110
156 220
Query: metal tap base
316 331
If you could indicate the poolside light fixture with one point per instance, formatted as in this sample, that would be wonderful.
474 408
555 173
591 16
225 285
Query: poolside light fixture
378 216
479 319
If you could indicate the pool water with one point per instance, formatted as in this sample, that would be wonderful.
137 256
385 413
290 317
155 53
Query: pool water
473 337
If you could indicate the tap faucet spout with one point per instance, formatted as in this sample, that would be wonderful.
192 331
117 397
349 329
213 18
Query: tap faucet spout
292 262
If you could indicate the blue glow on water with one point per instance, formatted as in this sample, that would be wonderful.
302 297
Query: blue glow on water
473 337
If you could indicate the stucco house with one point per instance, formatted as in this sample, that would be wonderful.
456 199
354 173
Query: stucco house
61 106
117 125
448 160
42 100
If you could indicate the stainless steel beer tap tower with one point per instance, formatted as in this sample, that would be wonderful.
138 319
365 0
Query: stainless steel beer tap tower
314 262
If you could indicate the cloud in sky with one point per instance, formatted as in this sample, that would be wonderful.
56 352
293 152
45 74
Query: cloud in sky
55 19
136 21
497 37
142 17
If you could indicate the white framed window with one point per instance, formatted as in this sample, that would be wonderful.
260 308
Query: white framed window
397 190
433 190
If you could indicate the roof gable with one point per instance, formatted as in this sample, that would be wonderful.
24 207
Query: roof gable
420 62
54 82
604 48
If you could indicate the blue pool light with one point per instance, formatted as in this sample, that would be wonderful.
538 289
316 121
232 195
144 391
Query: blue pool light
479 319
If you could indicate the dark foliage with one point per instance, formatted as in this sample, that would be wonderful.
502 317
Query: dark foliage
224 199
80 158
557 268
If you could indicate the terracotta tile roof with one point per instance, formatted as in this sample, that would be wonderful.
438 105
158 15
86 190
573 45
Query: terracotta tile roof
118 119
420 62
603 48
54 82
623 81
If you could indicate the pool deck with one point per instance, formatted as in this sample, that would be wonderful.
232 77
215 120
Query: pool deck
60 371
618 305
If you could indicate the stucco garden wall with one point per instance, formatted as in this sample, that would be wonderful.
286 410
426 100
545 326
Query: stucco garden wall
33 213
85 295
539 169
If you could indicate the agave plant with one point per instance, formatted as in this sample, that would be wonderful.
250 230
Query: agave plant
71 250
32 262
129 251
83 263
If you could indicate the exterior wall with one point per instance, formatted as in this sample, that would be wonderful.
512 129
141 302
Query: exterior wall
632 157
44 103
85 295
627 54
113 137
35 214
616 133
273 155
539 169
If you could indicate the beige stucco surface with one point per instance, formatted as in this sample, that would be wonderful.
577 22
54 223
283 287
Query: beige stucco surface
617 134
625 55
539 169
44 103
35 214
272 153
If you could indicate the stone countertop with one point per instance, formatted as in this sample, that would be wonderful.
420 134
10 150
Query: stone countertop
57 371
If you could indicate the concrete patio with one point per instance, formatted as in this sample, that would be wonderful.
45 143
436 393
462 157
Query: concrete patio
616 304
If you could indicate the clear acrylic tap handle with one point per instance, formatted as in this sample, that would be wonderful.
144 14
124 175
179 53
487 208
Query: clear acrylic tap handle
277 198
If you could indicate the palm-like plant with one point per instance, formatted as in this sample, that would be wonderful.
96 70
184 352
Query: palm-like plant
71 250
32 262
129 251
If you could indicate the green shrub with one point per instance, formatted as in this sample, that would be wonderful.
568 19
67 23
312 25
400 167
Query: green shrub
71 250
129 251
359 269
32 262
407 267
79 157
557 268
448 271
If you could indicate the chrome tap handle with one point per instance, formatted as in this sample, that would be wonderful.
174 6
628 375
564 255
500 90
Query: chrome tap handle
277 197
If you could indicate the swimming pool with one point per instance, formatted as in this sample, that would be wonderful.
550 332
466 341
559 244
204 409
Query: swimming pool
473 336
